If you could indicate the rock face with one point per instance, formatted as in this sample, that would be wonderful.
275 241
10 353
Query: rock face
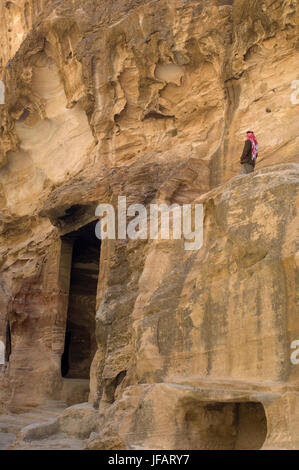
151 100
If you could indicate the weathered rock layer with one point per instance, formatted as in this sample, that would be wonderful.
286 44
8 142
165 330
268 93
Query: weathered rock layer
150 100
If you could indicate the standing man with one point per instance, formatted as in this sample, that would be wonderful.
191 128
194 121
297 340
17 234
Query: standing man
250 154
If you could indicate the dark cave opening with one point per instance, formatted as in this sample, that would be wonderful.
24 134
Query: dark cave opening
8 343
225 426
65 356
80 341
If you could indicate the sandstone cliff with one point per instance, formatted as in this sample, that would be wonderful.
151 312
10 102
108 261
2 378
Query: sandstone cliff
151 99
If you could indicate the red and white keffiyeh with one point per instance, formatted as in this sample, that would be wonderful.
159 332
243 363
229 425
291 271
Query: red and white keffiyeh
255 145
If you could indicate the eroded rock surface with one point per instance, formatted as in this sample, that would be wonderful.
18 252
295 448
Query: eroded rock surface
151 100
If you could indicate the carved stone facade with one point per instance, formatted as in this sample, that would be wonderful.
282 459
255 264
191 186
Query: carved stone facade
151 100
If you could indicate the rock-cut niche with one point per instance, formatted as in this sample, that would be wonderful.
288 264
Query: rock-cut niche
80 257
224 426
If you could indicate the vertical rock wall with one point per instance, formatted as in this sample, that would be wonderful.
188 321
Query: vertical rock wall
151 99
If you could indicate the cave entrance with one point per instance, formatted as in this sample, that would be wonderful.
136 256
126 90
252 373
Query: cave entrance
225 426
8 343
83 249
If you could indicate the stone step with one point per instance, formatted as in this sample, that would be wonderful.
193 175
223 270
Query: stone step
11 424
27 418
5 440
57 442
11 428
47 414
53 404
14 425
